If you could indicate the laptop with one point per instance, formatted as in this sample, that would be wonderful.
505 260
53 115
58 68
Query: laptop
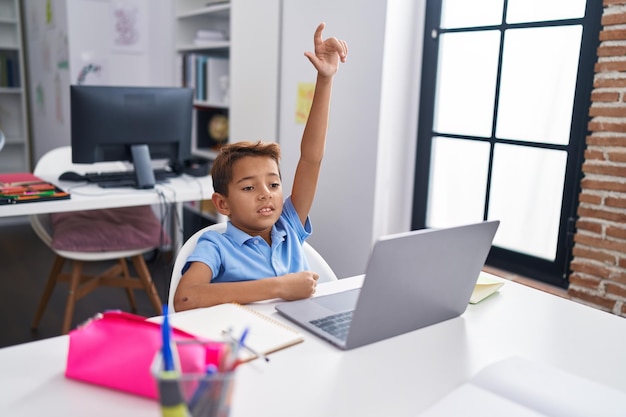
412 280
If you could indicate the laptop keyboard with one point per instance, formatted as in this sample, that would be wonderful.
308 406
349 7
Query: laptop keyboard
335 324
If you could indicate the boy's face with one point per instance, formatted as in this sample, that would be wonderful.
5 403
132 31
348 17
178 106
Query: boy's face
255 195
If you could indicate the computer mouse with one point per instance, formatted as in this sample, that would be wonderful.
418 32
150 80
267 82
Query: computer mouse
71 176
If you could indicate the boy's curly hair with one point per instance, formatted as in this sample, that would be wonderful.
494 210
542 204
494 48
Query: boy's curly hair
222 169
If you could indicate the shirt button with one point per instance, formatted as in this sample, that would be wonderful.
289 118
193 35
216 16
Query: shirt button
256 241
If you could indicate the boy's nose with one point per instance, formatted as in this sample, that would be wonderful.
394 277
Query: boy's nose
265 193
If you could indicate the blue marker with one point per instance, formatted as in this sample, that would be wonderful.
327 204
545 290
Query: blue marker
170 395
202 388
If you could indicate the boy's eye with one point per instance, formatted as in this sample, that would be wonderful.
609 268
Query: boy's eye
274 185
248 188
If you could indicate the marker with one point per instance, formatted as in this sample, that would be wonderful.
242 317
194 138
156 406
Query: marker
203 386
51 192
12 190
170 395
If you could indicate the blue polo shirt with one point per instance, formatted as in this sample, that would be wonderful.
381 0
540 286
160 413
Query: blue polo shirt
237 256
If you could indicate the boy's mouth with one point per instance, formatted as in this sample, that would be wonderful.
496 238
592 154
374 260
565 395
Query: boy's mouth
266 210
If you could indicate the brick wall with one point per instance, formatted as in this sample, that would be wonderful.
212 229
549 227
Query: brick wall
598 269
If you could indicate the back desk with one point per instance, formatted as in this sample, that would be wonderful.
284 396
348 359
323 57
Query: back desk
400 376
92 197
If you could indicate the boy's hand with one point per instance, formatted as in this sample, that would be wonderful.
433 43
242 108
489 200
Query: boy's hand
297 285
327 54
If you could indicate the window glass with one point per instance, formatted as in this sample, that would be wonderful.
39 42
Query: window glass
466 82
520 11
470 13
539 72
526 193
458 181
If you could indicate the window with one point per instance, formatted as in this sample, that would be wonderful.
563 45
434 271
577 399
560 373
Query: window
503 112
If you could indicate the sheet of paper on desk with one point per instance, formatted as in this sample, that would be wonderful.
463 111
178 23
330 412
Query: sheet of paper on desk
265 335
518 387
486 285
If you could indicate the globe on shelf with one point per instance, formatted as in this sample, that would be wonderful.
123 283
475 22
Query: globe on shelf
217 128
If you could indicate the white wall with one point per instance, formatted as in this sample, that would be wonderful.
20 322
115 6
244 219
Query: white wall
365 188
72 33
366 185
254 69
47 73
397 136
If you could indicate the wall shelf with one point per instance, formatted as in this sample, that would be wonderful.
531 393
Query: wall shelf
15 156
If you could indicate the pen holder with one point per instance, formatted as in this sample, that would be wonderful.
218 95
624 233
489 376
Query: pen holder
196 395
193 394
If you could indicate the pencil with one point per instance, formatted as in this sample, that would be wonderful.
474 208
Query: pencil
241 343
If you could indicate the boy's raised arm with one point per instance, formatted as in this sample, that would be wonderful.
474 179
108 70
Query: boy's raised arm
326 57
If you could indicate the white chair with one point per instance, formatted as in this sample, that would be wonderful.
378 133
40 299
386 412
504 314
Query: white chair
316 261
52 164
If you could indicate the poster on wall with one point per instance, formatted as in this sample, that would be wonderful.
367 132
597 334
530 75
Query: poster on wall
129 26
304 101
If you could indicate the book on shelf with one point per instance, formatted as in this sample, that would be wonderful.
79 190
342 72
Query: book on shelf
24 187
201 77
3 71
189 71
217 79
208 76
265 335
210 35
9 70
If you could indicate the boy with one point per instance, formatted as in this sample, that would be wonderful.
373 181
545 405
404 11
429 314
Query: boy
260 255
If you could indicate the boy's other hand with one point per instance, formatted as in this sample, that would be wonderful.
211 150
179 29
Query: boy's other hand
297 285
327 53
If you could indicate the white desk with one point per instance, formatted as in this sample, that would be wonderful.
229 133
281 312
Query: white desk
396 377
91 197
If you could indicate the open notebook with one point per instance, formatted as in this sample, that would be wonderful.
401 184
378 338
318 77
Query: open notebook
265 335
519 387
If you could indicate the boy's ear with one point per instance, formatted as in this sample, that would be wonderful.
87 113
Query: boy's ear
221 204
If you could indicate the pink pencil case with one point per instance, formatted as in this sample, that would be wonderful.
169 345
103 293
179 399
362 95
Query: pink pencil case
116 350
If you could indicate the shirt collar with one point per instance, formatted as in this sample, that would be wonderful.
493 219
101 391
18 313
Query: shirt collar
240 237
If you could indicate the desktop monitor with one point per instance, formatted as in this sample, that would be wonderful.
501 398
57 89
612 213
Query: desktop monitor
136 124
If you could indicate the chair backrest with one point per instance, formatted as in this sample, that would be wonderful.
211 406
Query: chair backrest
316 262
49 164
59 160
53 163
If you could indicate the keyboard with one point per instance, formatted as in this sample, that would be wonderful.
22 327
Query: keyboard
335 324
124 178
